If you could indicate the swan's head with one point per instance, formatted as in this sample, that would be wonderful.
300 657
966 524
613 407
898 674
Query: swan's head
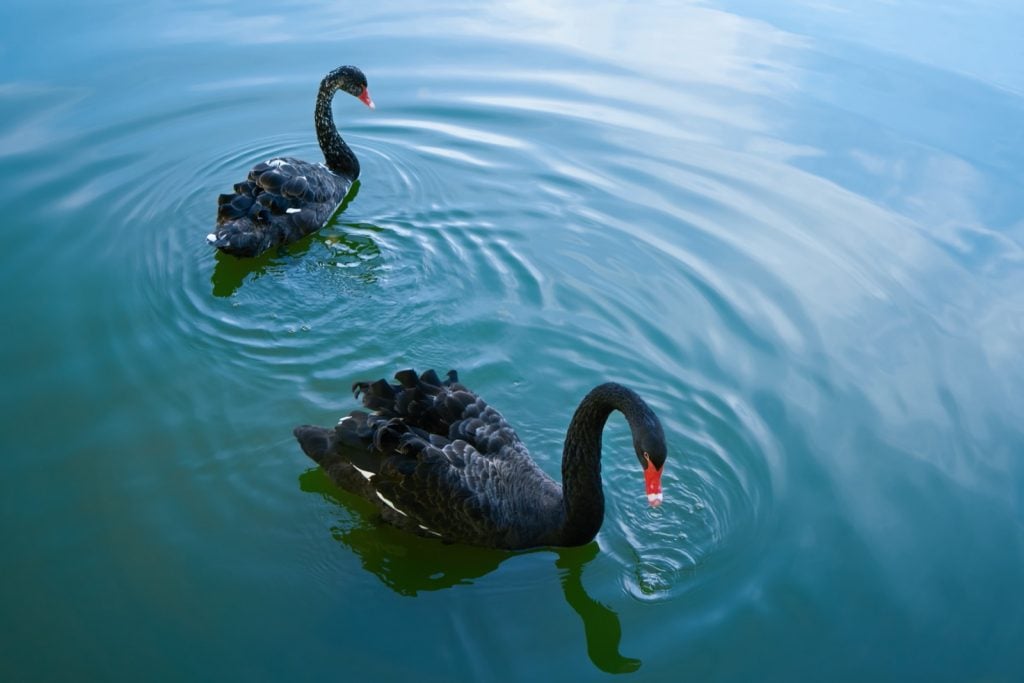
351 80
649 444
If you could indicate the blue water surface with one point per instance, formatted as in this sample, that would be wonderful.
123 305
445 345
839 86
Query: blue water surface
795 228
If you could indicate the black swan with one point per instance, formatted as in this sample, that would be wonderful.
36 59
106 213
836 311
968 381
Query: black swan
285 199
438 461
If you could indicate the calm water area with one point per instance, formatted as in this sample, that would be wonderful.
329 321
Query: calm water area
795 228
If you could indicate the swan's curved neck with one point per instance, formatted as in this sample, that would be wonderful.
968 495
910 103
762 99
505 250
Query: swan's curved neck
582 493
337 155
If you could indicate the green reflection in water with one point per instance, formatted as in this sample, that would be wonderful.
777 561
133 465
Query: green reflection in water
408 564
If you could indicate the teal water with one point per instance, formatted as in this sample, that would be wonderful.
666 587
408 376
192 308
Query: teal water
795 228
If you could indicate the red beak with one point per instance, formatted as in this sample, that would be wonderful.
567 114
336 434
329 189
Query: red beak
364 97
652 481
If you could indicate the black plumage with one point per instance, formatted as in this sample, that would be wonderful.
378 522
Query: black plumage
438 461
285 199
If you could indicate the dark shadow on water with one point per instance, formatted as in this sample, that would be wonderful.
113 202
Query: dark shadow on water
408 564
405 563
601 624
231 272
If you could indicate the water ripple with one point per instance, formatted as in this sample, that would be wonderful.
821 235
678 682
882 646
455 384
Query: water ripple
414 258
804 252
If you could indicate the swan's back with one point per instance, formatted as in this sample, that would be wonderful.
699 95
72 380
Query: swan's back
437 460
282 200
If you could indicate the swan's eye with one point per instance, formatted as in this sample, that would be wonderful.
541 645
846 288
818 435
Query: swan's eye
648 461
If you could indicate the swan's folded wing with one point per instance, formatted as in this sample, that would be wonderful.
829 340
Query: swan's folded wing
445 410
449 490
448 464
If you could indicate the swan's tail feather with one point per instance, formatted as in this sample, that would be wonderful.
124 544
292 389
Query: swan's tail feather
344 452
316 442
409 418
242 237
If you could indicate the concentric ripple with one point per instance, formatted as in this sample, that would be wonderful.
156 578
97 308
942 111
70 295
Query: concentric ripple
474 240
796 235
481 237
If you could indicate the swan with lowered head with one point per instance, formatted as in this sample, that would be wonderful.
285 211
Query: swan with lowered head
438 461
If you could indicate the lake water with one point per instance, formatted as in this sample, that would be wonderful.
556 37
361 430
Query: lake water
797 229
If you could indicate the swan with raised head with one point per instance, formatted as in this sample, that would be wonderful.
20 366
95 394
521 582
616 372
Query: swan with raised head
438 461
285 199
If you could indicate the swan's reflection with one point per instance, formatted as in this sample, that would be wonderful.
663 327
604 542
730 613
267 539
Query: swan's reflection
600 623
409 564
231 272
